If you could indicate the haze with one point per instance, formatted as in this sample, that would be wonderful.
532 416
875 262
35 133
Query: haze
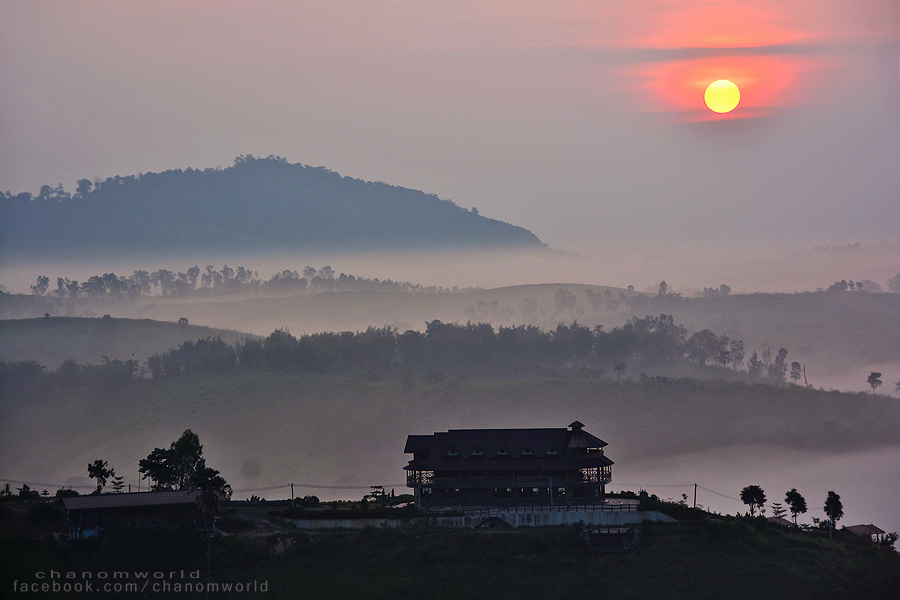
575 120
578 120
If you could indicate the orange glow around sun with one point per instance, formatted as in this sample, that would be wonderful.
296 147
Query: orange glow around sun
734 41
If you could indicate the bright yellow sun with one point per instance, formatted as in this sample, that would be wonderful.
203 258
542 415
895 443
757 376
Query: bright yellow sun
722 96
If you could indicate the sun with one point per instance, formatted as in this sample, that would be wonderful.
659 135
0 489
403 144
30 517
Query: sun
722 96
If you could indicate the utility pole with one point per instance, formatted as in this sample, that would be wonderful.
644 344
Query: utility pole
695 496
292 496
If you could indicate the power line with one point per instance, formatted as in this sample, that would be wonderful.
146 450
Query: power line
261 489
676 485
48 485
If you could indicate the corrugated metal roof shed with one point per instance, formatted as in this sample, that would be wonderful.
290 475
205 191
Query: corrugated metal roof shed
132 499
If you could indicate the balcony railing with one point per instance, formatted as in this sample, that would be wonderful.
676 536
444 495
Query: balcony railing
585 477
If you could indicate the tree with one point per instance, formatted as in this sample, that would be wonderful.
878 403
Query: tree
874 380
795 372
796 502
83 187
754 497
777 510
40 288
100 471
619 368
755 365
778 369
893 283
181 466
834 509
118 485
736 352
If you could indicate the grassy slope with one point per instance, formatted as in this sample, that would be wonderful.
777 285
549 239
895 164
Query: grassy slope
348 431
50 341
702 562
709 560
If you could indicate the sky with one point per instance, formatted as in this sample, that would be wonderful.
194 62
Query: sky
581 121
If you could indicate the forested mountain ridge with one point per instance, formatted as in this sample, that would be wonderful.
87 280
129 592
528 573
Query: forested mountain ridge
257 204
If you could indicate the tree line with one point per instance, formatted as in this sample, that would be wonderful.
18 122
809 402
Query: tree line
476 348
227 280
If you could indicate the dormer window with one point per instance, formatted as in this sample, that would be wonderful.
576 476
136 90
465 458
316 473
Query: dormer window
452 453
502 451
526 451
551 451
476 452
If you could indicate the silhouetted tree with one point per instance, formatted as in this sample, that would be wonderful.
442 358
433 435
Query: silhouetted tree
796 502
180 466
100 471
874 380
754 497
778 369
833 508
619 368
40 288
795 371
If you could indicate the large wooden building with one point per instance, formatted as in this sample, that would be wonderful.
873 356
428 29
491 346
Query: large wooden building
508 467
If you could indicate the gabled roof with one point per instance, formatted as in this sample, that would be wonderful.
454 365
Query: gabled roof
133 499
489 449
864 530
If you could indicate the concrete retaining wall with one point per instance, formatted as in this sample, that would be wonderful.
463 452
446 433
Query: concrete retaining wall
515 519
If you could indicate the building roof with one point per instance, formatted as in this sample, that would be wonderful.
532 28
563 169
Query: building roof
95 501
864 530
493 449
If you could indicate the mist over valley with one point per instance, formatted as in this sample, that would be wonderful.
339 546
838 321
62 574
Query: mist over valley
102 321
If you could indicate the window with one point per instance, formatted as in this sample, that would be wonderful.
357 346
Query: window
502 493
526 451
452 452
551 451
502 451
476 452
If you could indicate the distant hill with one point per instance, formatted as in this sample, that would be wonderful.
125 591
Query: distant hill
256 205
50 341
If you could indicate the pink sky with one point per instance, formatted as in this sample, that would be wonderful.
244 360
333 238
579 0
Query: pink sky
582 121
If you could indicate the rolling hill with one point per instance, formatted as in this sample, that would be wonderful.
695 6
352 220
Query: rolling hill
50 341
256 205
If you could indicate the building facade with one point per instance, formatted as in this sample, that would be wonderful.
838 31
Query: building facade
508 467
87 516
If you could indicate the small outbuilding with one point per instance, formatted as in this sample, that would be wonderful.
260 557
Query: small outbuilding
874 533
86 516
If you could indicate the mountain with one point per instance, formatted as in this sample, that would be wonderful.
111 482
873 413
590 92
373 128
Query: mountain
258 204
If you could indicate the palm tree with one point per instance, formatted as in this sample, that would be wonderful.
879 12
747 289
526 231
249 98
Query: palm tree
874 380
619 369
